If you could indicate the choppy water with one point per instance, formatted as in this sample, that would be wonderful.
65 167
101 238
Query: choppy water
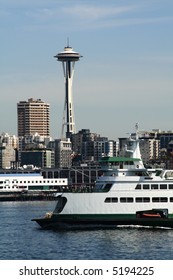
21 238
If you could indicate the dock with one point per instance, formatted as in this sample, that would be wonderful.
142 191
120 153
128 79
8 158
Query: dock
29 196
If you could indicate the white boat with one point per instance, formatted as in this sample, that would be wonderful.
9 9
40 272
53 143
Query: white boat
19 182
125 194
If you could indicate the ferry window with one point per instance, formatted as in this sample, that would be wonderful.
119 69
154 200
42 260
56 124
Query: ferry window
159 199
1 182
138 187
60 204
171 199
111 199
138 173
126 199
138 199
154 186
108 199
163 199
146 187
146 199
107 187
130 199
99 187
142 199
163 187
170 186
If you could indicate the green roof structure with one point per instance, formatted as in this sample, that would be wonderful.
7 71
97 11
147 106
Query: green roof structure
118 159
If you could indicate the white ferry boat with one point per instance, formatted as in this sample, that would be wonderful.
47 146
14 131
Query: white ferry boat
125 194
19 182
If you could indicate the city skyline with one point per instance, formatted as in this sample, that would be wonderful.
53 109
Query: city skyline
125 75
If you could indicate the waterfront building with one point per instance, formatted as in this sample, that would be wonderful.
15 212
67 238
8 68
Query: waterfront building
40 158
9 140
33 142
63 153
165 138
8 150
7 156
103 148
33 117
150 150
90 147
83 135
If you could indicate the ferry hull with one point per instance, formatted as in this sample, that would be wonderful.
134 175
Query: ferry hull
97 222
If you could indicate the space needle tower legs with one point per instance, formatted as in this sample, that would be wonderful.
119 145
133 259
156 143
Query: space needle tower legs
68 58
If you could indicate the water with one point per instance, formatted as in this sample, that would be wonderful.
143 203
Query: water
23 239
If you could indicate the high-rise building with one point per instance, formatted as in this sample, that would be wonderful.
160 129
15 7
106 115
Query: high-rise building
33 117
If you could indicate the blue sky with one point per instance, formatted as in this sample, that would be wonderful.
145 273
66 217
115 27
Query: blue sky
125 75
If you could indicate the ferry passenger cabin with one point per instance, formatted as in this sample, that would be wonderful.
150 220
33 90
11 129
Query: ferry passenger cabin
122 166
30 182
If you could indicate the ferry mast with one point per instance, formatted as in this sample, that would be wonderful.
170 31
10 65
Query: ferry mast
68 57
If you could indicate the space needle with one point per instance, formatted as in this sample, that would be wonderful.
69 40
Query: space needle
68 57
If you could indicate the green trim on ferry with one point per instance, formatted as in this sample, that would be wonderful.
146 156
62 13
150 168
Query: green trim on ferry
101 217
118 159
97 217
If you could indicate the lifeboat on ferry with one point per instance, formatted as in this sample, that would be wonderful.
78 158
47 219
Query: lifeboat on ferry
150 215
153 213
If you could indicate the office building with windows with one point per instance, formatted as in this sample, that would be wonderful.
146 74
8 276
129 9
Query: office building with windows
33 117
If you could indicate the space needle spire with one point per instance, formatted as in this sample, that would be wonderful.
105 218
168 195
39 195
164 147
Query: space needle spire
68 57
